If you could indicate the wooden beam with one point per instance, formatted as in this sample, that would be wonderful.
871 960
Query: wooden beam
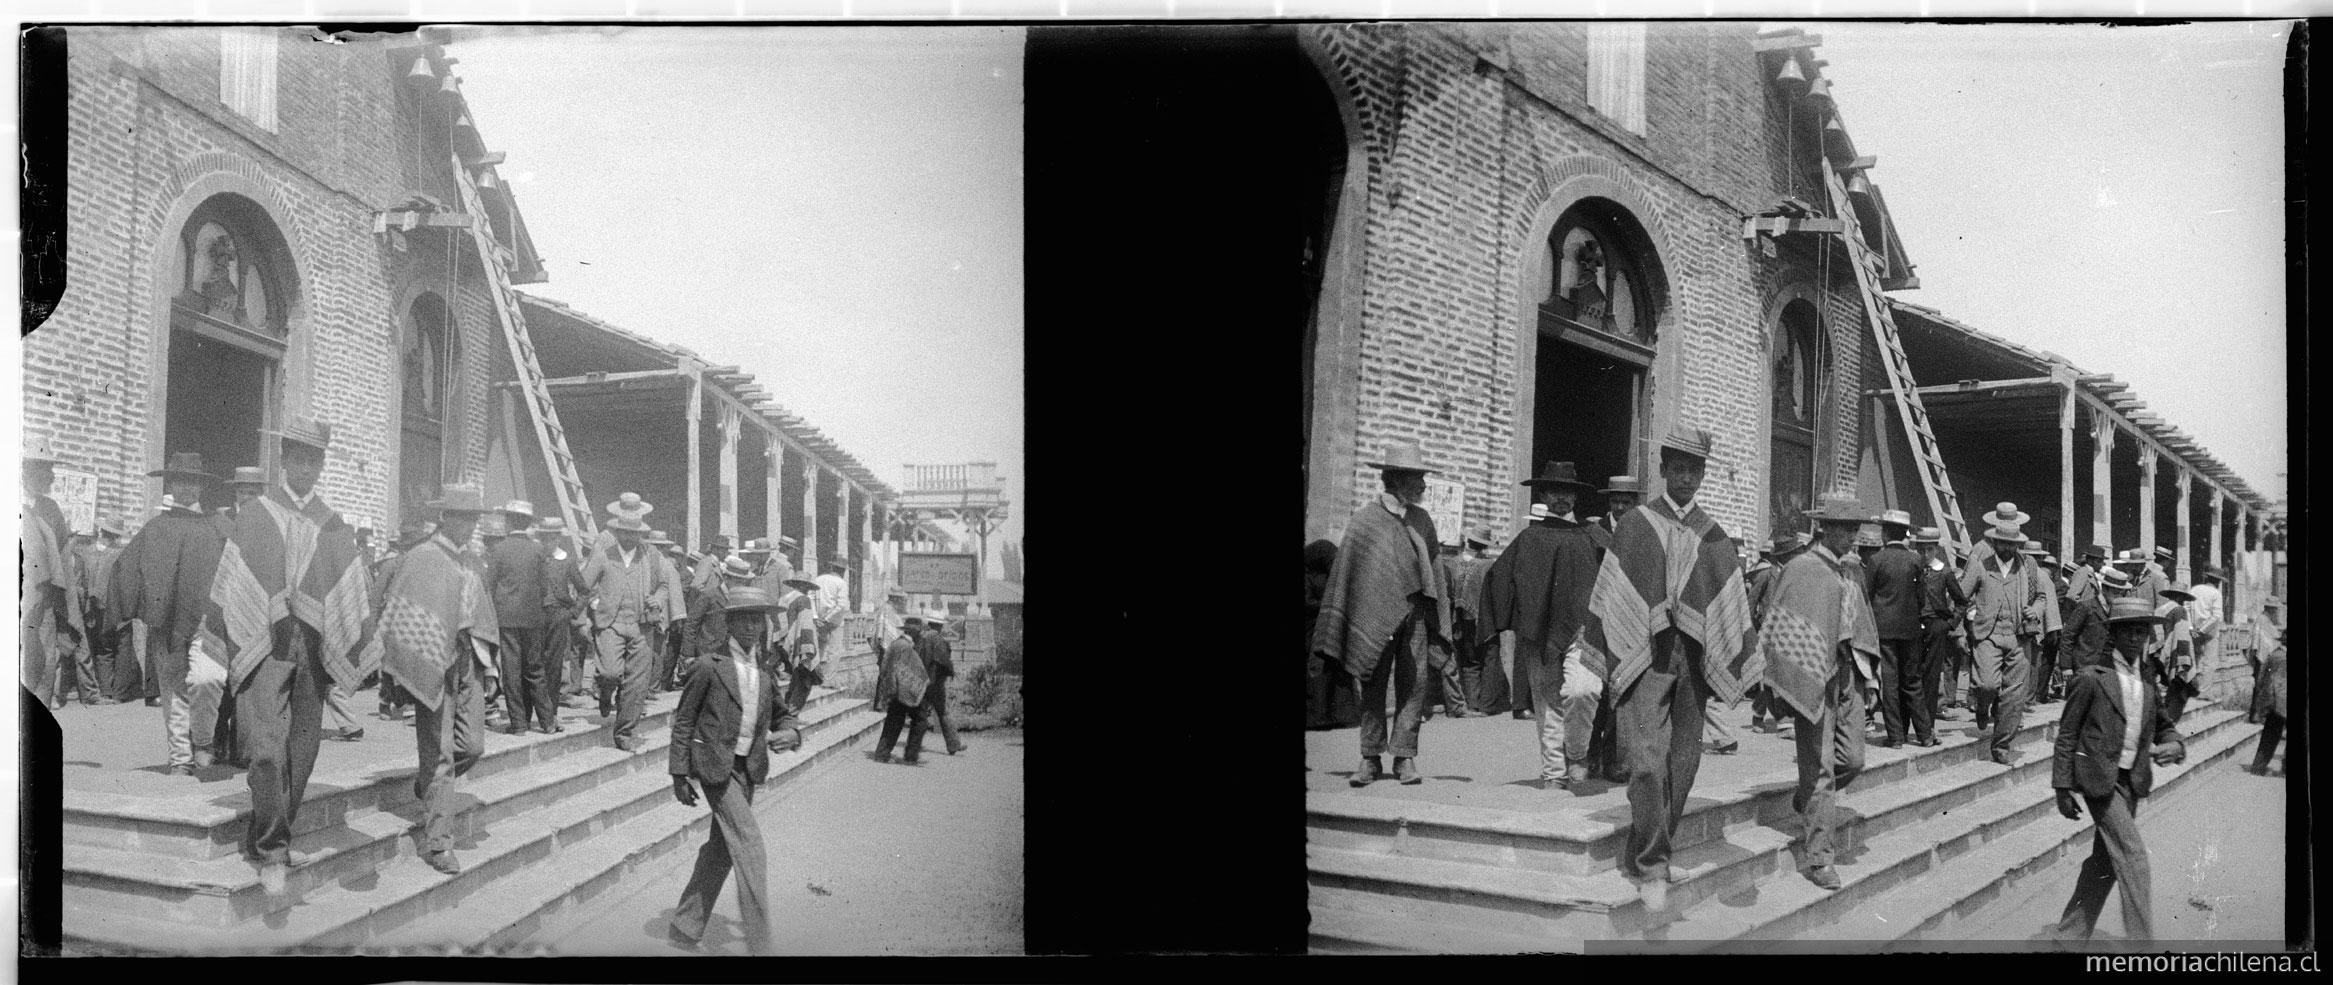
1791 42
1864 163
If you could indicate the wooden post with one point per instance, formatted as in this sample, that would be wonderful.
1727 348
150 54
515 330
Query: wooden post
810 558
773 465
696 417
732 430
2147 501
2066 547
2217 556
2187 566
2101 476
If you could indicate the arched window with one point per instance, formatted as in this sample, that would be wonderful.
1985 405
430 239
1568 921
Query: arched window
1599 280
1599 293
1800 366
428 370
225 275
230 299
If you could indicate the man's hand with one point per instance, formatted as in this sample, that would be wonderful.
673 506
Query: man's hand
2068 806
2169 752
785 739
686 794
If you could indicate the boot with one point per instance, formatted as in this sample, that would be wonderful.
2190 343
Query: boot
1405 769
1368 773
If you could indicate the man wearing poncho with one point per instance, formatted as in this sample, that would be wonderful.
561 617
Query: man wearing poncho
1383 613
1668 625
437 621
291 603
1821 648
1539 588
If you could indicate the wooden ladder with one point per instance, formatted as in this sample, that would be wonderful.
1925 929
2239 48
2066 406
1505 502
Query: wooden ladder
573 504
1870 267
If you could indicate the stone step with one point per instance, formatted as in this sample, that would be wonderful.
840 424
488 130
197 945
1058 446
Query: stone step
205 826
1573 841
1922 865
1452 899
1335 931
515 852
220 893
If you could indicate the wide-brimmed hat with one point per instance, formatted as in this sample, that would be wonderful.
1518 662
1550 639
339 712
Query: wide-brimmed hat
2052 559
1691 441
460 497
749 598
755 546
184 465
308 431
113 525
628 521
838 567
413 532
1897 517
1928 535
2067 567
1788 543
2131 556
2006 515
800 584
248 475
2178 590
935 618
550 525
1838 507
2033 547
2116 578
1624 484
520 507
910 616
722 542
2006 532
2099 551
2213 571
1558 474
630 504
2166 553
1867 537
38 450
896 593
785 541
1403 456
1482 533
656 537
734 566
2131 608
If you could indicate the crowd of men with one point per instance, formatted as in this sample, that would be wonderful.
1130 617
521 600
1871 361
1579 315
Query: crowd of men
254 623
1618 629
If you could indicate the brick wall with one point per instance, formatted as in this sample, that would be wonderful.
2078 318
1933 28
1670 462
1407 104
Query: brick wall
1469 132
147 139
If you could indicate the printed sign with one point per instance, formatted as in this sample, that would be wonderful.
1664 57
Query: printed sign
76 492
940 574
1446 502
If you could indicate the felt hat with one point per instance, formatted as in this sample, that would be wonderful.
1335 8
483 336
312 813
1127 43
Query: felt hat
2131 608
838 567
2067 567
1788 543
1838 507
801 584
413 532
112 524
2166 553
656 537
551 525
1403 456
2178 590
630 504
307 431
248 475
2213 571
2034 548
39 450
1482 533
2006 532
911 616
1897 517
1694 442
184 465
1558 474
1928 535
460 497
896 593
2098 551
747 598
2052 559
2006 515
734 566
520 507
755 546
723 542
1626 484
628 521
2116 578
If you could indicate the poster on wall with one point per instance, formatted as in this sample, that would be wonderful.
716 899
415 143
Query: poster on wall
1446 503
76 492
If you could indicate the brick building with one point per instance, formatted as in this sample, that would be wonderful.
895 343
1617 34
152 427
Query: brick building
1532 248
232 266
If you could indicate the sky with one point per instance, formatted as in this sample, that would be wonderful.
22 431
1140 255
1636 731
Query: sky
835 210
2113 195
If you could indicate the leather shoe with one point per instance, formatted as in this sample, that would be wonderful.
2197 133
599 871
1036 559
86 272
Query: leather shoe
1368 773
203 759
443 862
1405 770
182 769
271 878
347 735
674 937
1824 876
1576 776
1891 743
623 743
153 702
1727 749
1927 741
1654 892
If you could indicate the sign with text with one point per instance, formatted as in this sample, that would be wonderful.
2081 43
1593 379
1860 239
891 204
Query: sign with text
1446 502
76 492
940 574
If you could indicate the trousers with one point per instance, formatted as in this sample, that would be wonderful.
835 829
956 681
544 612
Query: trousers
2116 856
733 847
935 698
340 709
913 716
1565 724
1943 665
1903 678
1482 678
191 715
530 677
1659 722
2271 733
2000 667
1830 756
627 664
1403 664
449 739
279 715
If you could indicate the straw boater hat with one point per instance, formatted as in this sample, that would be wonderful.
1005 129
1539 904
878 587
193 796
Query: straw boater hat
1838 507
838 567
755 546
748 598
2131 608
248 475
935 618
1482 533
734 566
520 507
801 584
1625 484
2034 548
184 465
2166 553
1866 537
1403 456
551 525
2006 532
2067 567
785 541
460 497
628 521
1896 517
2213 572
630 504
2116 578
493 525
307 431
657 538
1928 535
896 593
1694 442
2178 590
2006 515
1558 474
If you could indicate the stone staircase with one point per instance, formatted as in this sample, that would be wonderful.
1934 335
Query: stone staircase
1926 836
545 823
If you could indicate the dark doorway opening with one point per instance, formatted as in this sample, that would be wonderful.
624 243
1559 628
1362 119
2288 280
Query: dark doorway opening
1584 413
218 402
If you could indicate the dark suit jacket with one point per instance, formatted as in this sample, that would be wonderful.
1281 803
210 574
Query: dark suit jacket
705 724
515 577
937 655
1894 579
2090 734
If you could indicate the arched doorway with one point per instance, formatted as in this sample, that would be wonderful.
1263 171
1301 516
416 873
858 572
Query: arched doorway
1798 371
426 374
1597 314
231 292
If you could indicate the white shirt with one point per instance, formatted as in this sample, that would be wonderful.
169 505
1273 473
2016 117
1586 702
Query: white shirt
298 500
2133 696
2205 610
748 698
1675 506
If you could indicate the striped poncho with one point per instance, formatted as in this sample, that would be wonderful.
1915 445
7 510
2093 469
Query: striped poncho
1812 609
1385 563
435 597
1666 571
286 560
